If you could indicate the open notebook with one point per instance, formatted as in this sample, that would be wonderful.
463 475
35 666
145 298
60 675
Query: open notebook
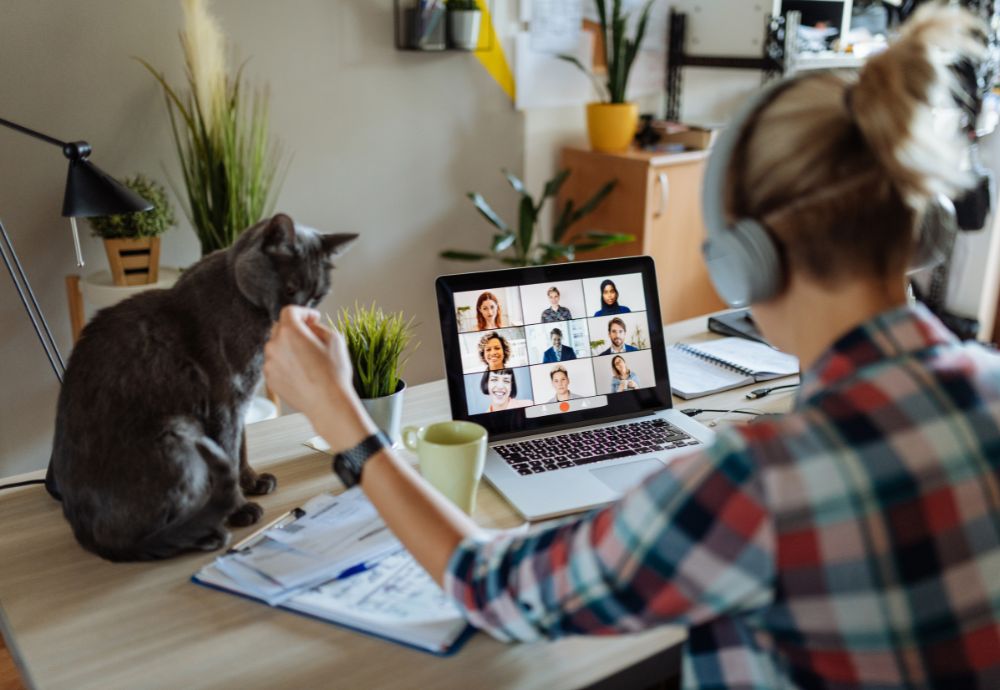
719 365
335 560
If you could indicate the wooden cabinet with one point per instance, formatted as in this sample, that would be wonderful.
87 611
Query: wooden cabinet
657 199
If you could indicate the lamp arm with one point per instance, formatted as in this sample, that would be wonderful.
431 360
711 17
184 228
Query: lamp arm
71 149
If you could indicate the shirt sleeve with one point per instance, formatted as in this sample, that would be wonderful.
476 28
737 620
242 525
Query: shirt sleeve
691 542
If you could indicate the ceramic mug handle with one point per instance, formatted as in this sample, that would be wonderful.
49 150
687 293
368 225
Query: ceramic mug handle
411 437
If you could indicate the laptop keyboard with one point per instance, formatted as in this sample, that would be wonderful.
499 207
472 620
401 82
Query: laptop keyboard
594 445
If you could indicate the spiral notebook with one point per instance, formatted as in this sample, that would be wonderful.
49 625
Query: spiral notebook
334 559
719 365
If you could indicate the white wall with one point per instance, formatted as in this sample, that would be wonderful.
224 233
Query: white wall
382 142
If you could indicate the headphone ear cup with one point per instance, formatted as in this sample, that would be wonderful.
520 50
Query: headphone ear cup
743 264
938 226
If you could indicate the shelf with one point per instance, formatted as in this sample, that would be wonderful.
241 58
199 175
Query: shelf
429 29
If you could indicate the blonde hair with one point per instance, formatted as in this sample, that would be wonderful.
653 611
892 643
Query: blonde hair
840 166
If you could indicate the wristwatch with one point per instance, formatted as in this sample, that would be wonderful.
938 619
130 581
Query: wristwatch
348 464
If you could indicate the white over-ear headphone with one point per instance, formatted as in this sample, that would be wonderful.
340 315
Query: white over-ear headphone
742 258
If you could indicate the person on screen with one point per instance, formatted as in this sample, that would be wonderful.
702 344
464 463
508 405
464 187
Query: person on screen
501 388
558 352
488 314
616 333
851 542
560 384
494 351
609 300
555 312
622 378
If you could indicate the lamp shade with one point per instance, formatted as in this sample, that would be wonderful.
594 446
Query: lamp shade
92 192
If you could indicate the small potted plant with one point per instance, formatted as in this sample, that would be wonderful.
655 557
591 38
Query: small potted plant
520 247
463 23
377 343
611 122
132 240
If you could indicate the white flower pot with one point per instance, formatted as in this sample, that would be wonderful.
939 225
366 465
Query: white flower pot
464 28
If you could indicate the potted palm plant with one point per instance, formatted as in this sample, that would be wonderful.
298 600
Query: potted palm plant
463 23
379 345
518 246
132 240
221 134
611 122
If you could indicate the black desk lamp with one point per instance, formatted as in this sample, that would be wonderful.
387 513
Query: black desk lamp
89 192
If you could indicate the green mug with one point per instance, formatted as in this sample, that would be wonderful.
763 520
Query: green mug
452 455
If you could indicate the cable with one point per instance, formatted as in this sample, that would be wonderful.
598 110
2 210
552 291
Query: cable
692 411
695 411
758 393
25 483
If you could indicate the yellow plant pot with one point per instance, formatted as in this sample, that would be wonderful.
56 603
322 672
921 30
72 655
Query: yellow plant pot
611 126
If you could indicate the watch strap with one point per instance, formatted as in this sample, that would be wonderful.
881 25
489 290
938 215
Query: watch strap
348 464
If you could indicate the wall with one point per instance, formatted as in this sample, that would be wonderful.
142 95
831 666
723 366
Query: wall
381 142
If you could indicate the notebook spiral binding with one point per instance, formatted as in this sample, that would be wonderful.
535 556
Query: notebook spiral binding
693 350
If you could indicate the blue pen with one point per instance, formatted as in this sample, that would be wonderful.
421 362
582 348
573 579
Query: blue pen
356 569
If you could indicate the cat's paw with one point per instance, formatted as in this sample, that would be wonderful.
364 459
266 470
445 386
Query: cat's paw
259 485
213 540
247 514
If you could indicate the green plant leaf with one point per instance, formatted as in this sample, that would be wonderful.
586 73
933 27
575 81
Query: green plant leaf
526 226
564 221
457 255
553 186
503 241
488 213
515 182
593 202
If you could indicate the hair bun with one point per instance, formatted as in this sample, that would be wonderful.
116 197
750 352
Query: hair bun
912 102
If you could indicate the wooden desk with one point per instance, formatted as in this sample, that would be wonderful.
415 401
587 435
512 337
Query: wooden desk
73 620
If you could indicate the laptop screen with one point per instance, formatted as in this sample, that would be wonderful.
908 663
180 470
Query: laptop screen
549 347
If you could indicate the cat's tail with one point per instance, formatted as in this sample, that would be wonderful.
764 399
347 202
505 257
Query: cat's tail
201 529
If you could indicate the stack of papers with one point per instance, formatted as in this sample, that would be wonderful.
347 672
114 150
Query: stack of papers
335 559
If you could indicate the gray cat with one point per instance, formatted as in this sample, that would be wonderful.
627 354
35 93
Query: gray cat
149 456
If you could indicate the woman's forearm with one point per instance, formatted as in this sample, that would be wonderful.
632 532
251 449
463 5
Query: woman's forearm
427 523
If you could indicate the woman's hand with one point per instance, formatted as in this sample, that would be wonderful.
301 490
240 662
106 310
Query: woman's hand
307 364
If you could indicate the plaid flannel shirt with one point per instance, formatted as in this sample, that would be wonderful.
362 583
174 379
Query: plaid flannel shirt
854 542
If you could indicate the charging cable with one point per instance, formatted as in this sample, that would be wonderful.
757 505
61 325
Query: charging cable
759 393
695 411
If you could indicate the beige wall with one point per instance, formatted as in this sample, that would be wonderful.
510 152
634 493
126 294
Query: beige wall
381 142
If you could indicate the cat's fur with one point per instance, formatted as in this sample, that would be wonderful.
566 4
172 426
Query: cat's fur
149 457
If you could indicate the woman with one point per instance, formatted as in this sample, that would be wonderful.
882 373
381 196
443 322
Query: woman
850 543
609 300
622 378
501 388
494 351
488 315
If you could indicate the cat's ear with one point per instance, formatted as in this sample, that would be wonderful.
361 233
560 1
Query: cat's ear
336 244
279 236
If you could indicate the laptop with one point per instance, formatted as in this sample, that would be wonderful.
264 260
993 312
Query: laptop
566 367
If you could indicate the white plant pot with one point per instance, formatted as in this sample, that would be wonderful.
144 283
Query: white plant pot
387 412
464 28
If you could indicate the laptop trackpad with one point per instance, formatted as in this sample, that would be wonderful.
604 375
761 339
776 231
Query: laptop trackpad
621 478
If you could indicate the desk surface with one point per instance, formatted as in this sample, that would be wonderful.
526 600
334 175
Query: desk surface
76 621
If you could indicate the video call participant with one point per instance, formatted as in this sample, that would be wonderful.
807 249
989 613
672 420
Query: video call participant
560 384
555 312
850 543
622 378
501 388
558 352
616 333
494 351
488 314
609 300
